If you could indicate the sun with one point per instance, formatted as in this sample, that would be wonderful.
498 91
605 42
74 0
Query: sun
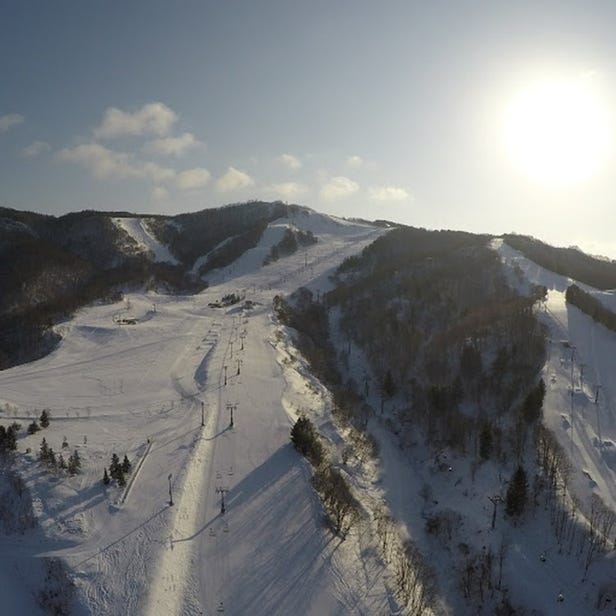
558 131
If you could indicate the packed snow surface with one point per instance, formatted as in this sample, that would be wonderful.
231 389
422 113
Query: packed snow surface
144 390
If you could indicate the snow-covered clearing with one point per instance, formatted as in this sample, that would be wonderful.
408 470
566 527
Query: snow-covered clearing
138 390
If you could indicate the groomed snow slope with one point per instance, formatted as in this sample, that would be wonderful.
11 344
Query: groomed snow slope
137 229
138 390
581 398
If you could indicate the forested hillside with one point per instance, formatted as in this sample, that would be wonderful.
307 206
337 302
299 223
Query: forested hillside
452 359
443 331
51 266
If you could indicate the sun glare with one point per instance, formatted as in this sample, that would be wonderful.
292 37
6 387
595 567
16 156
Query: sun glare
558 131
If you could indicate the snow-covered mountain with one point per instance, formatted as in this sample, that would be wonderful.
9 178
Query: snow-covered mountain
200 390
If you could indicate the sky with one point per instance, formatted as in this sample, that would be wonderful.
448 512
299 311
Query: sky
397 110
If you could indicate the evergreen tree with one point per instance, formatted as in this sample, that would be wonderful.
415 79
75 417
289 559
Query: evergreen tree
306 440
106 479
44 450
11 439
485 441
517 493
126 465
120 477
533 403
61 462
33 427
44 418
51 459
74 463
114 467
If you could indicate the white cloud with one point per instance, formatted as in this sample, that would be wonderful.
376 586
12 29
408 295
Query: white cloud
290 162
35 149
172 146
155 172
388 193
100 161
354 162
9 120
151 119
233 179
338 187
160 193
104 163
192 179
287 190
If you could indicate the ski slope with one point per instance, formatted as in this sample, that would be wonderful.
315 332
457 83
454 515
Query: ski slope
144 390
137 229
579 374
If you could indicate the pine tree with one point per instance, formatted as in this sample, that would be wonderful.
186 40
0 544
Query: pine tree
11 439
114 467
517 493
33 427
485 442
106 479
306 440
44 450
51 459
61 462
44 418
121 479
126 465
7 439
74 463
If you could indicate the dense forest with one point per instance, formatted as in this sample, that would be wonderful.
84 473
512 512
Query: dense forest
442 331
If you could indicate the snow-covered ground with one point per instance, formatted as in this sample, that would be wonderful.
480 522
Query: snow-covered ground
142 390
416 484
581 389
